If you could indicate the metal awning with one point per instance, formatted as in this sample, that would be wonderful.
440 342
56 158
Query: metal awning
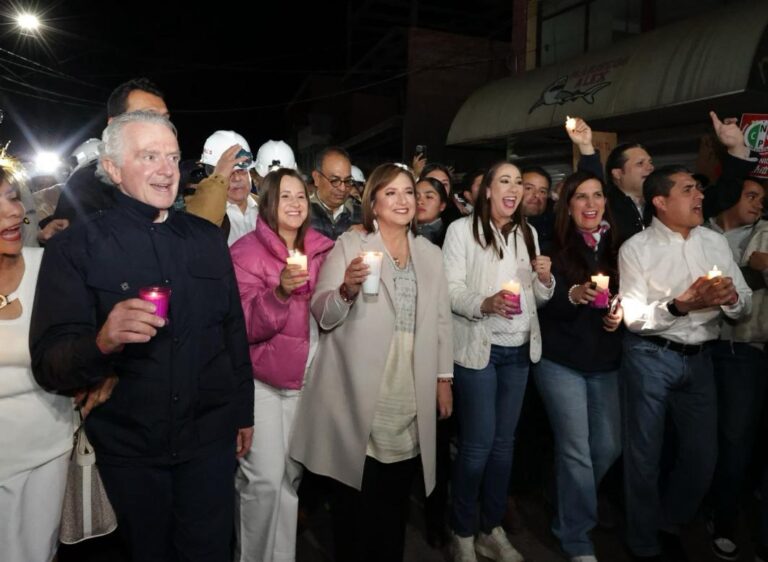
716 55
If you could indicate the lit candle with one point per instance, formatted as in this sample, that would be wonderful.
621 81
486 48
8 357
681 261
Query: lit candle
714 272
373 261
603 295
513 289
297 258
570 123
160 297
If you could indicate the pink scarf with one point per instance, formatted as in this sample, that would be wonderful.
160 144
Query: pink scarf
592 239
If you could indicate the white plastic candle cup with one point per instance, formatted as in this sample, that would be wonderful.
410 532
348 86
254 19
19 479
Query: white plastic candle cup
297 258
373 261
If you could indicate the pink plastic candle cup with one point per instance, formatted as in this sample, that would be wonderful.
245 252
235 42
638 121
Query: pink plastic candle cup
160 297
514 300
602 299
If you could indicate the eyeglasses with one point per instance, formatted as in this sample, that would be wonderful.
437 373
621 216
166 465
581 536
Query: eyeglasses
336 182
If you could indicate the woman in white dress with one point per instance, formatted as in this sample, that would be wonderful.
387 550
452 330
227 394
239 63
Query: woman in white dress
35 426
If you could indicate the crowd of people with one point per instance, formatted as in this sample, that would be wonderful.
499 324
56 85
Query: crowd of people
318 323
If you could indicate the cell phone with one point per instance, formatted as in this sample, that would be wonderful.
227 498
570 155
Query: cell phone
614 305
249 159
421 150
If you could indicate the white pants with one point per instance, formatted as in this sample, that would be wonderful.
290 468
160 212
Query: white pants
267 504
30 512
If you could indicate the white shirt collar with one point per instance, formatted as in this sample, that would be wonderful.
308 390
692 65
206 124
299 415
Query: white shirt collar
250 203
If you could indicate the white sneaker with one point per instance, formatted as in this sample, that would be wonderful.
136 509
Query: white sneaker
496 546
462 549
588 558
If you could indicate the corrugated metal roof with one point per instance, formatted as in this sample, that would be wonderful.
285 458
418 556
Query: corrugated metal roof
717 54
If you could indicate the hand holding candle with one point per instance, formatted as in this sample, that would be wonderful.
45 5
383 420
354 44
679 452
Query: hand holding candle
158 295
297 258
580 134
603 294
373 261
129 321
512 294
293 276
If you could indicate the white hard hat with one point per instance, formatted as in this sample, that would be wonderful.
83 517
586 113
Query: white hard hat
274 154
218 142
86 152
357 174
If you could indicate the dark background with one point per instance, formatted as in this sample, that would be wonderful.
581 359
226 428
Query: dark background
223 65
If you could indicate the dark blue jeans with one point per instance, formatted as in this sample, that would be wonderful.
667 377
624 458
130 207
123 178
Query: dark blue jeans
487 405
658 382
584 413
740 375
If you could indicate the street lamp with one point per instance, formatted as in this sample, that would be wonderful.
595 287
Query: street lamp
28 22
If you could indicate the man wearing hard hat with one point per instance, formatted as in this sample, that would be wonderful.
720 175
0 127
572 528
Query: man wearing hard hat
227 157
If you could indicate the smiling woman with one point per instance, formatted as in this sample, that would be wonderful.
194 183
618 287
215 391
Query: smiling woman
367 418
578 374
35 426
282 338
496 280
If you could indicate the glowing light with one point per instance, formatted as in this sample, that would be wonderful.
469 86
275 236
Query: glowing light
47 162
28 22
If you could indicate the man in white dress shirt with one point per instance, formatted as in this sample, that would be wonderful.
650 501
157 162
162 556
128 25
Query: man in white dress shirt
242 209
673 301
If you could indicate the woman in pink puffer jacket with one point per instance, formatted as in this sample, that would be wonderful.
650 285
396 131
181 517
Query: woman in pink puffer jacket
282 336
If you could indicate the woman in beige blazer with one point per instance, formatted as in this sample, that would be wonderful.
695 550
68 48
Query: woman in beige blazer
368 412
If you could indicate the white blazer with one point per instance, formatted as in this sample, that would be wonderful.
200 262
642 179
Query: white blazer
472 277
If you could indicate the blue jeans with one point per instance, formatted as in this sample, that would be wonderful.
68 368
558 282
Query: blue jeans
658 382
740 373
487 405
584 413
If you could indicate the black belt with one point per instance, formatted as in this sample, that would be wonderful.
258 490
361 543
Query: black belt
681 348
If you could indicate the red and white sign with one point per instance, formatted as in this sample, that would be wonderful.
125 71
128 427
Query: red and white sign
755 127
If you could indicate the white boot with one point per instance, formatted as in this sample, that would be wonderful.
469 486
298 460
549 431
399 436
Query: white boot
463 549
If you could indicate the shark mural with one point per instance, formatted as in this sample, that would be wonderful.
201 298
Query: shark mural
557 94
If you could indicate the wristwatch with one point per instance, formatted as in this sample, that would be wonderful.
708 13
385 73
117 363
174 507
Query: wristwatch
673 310
5 300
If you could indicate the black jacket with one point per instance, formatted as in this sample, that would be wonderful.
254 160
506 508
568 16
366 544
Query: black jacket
722 194
188 389
84 194
545 229
573 336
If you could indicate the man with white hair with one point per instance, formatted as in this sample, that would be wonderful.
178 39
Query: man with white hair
138 306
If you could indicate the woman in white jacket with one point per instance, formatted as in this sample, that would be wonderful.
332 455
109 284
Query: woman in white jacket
496 279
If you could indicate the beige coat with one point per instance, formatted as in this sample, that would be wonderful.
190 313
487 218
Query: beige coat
336 410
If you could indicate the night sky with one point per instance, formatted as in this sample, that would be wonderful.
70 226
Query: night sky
223 65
